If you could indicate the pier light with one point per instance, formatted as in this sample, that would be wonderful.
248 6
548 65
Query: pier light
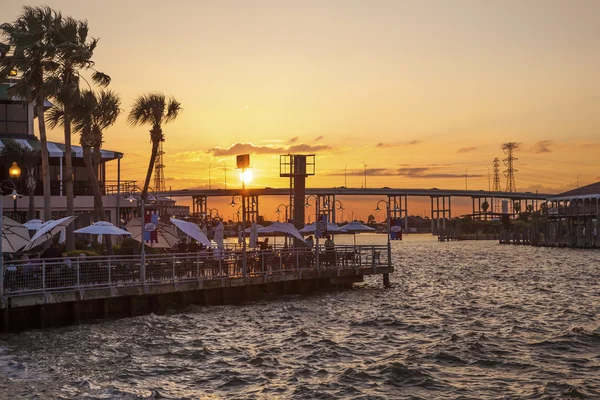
14 194
14 171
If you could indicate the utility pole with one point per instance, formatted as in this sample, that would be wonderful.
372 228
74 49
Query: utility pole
496 174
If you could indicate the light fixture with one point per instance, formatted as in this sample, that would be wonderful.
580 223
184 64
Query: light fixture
14 171
278 211
378 209
151 197
14 194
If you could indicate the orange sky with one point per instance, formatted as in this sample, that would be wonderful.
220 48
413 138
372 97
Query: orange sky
418 90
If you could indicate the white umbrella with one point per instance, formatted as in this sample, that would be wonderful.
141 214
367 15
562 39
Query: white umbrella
192 230
282 227
166 236
34 224
103 228
254 235
258 226
219 235
356 227
310 228
48 230
14 236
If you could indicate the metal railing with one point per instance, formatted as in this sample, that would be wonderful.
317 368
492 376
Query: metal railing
80 273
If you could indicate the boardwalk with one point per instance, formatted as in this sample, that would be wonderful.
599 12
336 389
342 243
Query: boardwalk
65 285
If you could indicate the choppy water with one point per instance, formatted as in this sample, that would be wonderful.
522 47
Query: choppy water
469 320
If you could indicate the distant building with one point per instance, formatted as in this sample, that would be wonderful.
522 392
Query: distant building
573 218
17 124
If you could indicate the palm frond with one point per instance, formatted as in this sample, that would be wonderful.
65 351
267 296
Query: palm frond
173 109
101 79
55 116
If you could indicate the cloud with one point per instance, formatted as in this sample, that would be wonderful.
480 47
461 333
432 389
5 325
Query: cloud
423 172
294 139
361 172
543 146
319 138
466 149
383 145
413 142
242 148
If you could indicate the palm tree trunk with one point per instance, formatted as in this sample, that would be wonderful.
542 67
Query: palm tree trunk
31 189
45 158
150 168
70 236
87 159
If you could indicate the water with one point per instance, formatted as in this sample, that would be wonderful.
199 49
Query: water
469 320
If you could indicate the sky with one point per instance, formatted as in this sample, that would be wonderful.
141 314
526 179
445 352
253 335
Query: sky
422 92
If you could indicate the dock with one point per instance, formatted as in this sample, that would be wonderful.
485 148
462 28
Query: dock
56 292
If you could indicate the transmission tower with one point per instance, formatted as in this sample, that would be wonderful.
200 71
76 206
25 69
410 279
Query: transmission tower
159 175
509 162
496 174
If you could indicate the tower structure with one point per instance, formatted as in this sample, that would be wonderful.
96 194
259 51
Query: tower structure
508 149
159 175
496 174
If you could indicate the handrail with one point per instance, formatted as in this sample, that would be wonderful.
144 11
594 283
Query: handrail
79 273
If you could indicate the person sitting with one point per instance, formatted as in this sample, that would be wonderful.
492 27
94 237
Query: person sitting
265 244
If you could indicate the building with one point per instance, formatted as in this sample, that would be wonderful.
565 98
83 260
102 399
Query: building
17 124
573 218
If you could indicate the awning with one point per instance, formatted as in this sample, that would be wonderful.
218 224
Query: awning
57 150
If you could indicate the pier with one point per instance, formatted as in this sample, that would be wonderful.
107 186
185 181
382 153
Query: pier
53 292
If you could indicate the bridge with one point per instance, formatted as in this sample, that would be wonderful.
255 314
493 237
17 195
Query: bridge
441 200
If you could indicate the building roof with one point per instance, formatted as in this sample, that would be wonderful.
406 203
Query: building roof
57 150
588 191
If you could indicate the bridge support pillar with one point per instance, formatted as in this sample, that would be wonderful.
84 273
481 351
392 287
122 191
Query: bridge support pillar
399 209
441 210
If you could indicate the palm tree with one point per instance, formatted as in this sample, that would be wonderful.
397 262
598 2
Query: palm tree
154 109
91 116
33 55
27 158
74 54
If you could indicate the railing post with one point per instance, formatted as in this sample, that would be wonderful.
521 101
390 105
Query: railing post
173 266
280 261
198 265
297 259
78 279
262 261
109 272
44 275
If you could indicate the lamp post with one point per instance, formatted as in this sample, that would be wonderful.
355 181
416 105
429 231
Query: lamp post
466 170
346 176
14 194
278 211
307 204
578 175
341 207
243 162
365 174
14 172
142 202
386 277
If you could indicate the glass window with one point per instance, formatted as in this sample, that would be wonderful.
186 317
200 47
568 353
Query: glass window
2 112
16 112
16 127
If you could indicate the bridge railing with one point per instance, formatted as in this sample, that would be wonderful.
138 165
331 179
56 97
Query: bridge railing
81 273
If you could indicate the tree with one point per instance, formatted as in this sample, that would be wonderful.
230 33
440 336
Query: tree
517 207
370 219
74 54
153 109
28 159
32 41
92 115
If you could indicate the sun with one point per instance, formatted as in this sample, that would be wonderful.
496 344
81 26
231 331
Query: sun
246 176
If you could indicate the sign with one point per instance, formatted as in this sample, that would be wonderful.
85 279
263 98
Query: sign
322 226
395 229
243 161
150 225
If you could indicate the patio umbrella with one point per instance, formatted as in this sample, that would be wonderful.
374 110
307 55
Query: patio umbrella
14 235
254 235
48 230
258 226
282 227
219 235
166 236
356 227
192 230
310 228
34 224
103 228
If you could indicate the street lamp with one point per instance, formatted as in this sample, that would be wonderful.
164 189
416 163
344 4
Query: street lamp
578 179
142 202
14 172
278 211
307 204
365 174
346 176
